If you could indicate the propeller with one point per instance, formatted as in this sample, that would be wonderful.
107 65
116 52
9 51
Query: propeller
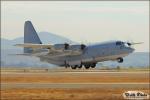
82 46
133 43
66 46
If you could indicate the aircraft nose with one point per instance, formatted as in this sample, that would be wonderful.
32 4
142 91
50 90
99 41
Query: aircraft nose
131 49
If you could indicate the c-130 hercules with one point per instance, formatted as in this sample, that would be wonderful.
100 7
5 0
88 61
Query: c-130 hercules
74 56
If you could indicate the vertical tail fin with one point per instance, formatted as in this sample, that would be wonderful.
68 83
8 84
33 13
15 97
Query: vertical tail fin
30 36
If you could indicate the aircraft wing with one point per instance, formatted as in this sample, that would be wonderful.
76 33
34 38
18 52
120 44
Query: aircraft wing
34 46
57 49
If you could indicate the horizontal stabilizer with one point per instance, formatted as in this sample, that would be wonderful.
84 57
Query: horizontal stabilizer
21 54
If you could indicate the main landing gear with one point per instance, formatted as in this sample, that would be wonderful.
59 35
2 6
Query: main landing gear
87 66
92 65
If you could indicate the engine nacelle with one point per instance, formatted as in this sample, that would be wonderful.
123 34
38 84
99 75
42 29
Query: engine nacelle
77 47
61 46
66 46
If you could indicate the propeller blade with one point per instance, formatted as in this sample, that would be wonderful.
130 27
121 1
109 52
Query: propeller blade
137 43
129 43
132 43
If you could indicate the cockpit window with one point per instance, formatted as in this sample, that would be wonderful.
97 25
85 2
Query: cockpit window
119 43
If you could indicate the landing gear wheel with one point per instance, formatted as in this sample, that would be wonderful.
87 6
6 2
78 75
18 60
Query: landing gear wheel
93 65
74 67
87 66
120 60
80 66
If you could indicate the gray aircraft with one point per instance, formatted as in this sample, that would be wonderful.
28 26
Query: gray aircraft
74 56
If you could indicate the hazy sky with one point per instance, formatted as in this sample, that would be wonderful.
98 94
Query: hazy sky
82 21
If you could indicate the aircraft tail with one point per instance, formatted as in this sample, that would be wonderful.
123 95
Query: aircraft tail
30 36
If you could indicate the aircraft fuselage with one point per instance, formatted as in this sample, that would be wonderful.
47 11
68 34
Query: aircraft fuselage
92 54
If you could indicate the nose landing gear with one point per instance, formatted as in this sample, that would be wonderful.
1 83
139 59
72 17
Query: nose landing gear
120 60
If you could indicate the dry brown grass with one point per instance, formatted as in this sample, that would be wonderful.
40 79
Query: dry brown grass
63 94
74 78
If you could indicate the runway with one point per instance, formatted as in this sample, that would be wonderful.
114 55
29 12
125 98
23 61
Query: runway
77 72
75 77
75 85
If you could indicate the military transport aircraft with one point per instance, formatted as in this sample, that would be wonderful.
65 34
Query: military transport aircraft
74 56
